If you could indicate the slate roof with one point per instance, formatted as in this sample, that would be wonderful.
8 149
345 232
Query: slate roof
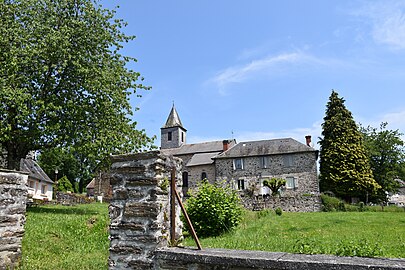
92 184
35 171
266 147
195 148
202 159
173 120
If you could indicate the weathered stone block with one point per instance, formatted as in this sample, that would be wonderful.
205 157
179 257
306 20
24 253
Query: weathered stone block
141 209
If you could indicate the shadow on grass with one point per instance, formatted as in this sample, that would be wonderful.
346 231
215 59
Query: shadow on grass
64 210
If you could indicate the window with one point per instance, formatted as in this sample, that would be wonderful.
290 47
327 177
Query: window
43 189
203 175
288 161
182 137
291 182
31 184
264 162
241 184
185 179
238 164
169 136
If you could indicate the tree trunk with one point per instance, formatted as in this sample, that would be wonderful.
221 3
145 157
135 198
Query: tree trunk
15 153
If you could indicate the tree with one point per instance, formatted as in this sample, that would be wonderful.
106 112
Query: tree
386 152
344 165
274 184
63 81
64 185
60 159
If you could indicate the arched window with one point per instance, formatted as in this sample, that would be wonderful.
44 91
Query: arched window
185 179
203 175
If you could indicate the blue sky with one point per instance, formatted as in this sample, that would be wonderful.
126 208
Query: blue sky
264 69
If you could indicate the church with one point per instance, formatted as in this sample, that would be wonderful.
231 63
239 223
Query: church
243 165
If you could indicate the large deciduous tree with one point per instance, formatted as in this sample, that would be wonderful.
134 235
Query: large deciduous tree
344 165
386 152
63 80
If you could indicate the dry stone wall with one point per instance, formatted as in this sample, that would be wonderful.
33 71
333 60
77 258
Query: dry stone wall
139 209
13 198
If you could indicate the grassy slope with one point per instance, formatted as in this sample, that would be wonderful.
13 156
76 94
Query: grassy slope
66 237
341 233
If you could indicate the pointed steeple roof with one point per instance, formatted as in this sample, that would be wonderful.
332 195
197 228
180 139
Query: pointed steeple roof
173 120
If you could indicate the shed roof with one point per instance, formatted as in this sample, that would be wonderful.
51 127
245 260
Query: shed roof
92 184
35 171
266 147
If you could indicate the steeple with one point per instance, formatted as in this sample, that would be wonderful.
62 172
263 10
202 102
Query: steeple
172 134
173 120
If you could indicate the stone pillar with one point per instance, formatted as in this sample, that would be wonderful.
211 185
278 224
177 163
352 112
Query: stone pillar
13 198
140 209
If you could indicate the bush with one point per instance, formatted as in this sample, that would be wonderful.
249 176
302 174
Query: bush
264 213
213 209
330 204
279 211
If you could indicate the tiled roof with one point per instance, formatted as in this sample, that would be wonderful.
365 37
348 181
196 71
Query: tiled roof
266 147
29 165
202 159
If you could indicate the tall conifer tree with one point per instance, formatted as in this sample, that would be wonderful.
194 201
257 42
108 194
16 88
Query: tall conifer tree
344 165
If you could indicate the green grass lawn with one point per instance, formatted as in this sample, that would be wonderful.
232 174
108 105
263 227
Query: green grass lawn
369 234
76 237
66 237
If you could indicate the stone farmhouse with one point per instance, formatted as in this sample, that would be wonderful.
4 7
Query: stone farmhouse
243 165
40 186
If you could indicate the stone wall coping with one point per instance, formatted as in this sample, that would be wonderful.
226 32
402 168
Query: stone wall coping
13 171
275 260
135 156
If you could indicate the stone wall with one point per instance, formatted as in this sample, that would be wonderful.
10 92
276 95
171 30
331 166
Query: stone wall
139 209
139 229
303 169
287 204
13 198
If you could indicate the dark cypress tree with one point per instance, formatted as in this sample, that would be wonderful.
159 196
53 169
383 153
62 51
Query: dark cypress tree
344 165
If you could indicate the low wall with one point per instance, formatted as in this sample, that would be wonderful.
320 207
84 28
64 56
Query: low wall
213 259
288 204
13 198
139 229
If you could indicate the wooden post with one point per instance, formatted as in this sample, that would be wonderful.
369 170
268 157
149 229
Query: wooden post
173 207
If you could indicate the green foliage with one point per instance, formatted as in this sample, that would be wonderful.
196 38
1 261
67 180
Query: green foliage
386 152
278 211
359 248
213 209
64 185
64 82
64 161
344 165
274 184
264 213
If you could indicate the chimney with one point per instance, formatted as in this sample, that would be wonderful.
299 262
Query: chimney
225 143
308 140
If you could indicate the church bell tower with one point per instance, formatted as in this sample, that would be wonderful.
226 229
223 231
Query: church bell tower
172 134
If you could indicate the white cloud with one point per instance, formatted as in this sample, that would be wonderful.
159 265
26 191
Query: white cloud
387 20
237 74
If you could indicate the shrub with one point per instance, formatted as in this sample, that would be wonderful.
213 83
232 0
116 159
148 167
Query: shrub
264 213
330 204
65 185
213 209
279 211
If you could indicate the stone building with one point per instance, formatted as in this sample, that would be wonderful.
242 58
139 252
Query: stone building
243 165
